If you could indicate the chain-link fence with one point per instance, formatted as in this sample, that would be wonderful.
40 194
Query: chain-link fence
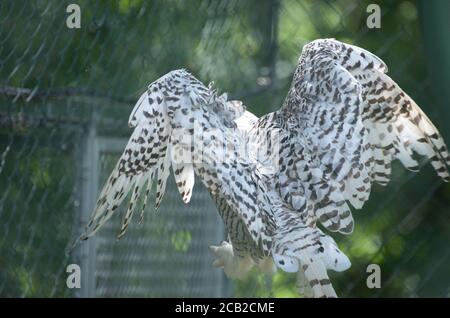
65 98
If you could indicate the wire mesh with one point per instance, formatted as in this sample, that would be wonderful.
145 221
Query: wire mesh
65 97
164 256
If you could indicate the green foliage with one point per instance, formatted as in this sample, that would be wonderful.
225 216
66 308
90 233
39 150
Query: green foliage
181 240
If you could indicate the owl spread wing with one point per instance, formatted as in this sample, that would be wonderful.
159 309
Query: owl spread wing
180 123
342 124
352 120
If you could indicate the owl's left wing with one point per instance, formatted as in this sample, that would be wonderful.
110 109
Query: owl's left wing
181 124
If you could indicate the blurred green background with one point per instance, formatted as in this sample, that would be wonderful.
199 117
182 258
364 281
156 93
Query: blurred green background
56 82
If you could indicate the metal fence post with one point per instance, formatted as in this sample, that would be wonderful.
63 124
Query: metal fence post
89 186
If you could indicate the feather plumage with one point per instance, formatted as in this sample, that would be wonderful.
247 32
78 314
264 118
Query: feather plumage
274 178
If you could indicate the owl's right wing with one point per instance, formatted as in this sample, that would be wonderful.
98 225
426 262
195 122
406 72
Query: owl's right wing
353 120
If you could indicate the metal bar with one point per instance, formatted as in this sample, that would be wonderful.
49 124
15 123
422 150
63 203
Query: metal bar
89 187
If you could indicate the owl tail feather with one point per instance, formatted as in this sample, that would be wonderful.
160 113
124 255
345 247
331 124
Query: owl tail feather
310 253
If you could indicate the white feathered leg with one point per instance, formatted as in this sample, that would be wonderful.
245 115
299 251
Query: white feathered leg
235 267
267 266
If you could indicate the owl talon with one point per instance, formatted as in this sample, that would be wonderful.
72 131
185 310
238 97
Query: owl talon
235 267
